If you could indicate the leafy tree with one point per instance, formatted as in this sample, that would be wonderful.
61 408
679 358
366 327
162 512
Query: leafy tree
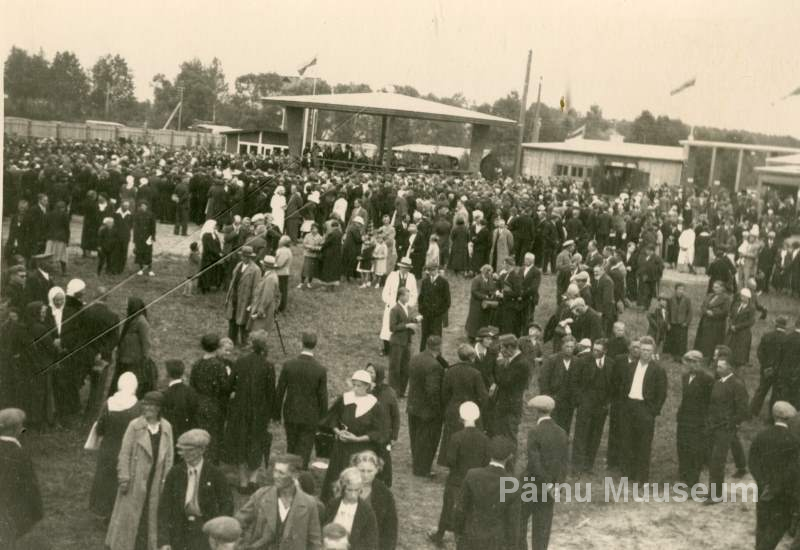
68 88
26 81
112 84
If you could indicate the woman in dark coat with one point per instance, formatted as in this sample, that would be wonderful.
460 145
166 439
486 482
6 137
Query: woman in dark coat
481 246
211 277
293 214
331 255
352 512
702 245
351 249
211 382
117 413
144 235
358 423
36 378
713 320
740 323
248 439
459 247
387 398
442 227
92 218
133 351
379 497
482 291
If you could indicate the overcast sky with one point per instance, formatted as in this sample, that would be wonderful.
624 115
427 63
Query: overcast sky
623 55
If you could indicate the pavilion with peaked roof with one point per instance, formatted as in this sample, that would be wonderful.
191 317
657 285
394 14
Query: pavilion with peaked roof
387 106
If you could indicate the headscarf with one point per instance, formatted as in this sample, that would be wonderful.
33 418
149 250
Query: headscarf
125 397
210 226
57 312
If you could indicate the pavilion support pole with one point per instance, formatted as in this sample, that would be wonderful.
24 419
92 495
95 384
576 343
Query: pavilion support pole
738 171
384 142
295 117
480 137
713 168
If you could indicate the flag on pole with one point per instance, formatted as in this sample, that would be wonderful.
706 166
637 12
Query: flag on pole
796 92
301 71
577 133
688 84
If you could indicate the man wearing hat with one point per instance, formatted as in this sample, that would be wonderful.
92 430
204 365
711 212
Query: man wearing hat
194 492
564 268
20 499
696 384
266 297
768 353
548 452
774 458
38 282
649 270
469 448
402 327
486 518
511 378
741 318
239 298
75 334
434 303
14 287
400 278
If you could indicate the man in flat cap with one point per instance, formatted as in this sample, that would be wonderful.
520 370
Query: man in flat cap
774 459
223 533
564 268
696 384
434 303
194 492
486 352
768 353
548 452
20 500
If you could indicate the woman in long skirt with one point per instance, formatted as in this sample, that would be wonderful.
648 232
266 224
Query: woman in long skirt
212 270
312 245
210 380
39 352
331 256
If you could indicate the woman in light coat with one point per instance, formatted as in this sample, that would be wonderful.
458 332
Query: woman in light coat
144 460
266 298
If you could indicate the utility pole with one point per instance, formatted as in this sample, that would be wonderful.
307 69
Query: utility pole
108 98
537 123
180 107
522 109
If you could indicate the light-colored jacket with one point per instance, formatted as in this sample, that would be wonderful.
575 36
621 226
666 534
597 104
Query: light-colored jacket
258 517
265 300
244 294
133 465
283 260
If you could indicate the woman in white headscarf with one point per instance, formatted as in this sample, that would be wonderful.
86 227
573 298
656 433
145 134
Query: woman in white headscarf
56 298
117 413
278 206
211 254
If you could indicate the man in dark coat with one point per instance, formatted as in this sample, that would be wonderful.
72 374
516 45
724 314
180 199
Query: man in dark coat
302 398
768 353
38 283
786 385
180 200
123 227
522 228
434 303
767 258
511 308
595 385
531 280
194 491
35 226
588 322
101 327
603 300
645 387
511 378
558 379
425 410
17 239
468 449
649 272
548 452
180 400
488 517
774 456
20 499
696 386
679 315
727 408
721 269
623 362
402 328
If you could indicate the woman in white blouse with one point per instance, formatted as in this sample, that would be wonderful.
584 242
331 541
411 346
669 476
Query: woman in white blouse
352 512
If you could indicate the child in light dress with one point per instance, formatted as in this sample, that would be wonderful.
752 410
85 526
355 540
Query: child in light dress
365 262
379 260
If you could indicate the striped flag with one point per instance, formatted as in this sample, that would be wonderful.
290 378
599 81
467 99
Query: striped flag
301 71
577 133
688 84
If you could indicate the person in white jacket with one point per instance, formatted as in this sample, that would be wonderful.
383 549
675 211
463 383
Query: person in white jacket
401 277
686 248
278 206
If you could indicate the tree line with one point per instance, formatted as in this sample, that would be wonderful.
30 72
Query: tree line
62 89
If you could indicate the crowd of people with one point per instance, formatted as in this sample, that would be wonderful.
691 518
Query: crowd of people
159 481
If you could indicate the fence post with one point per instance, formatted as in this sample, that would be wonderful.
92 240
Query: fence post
58 130
28 128
172 139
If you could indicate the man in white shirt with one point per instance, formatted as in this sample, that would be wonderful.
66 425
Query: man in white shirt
646 390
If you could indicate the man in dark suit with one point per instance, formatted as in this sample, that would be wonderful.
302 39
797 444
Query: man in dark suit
434 303
402 329
649 272
774 456
548 451
696 386
302 398
602 226
594 385
588 322
768 353
603 298
511 378
646 390
786 384
415 252
522 228
623 363
531 280
511 307
425 409
35 226
558 380
180 400
17 240
20 499
727 408
488 515
721 269
194 492
38 283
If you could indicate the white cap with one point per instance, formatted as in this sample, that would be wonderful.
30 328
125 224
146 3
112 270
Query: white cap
362 376
469 411
75 286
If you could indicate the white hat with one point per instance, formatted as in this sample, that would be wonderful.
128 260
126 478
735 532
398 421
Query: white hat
75 286
469 411
585 343
129 180
362 376
358 219
143 181
744 292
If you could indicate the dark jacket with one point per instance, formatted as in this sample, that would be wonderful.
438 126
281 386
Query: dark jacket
467 449
588 325
364 534
401 334
558 382
180 408
214 497
383 506
654 388
20 500
695 398
481 518
434 297
594 384
512 381
727 407
548 452
425 375
302 395
773 461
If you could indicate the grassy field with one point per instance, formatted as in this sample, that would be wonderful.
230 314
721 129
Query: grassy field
348 323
